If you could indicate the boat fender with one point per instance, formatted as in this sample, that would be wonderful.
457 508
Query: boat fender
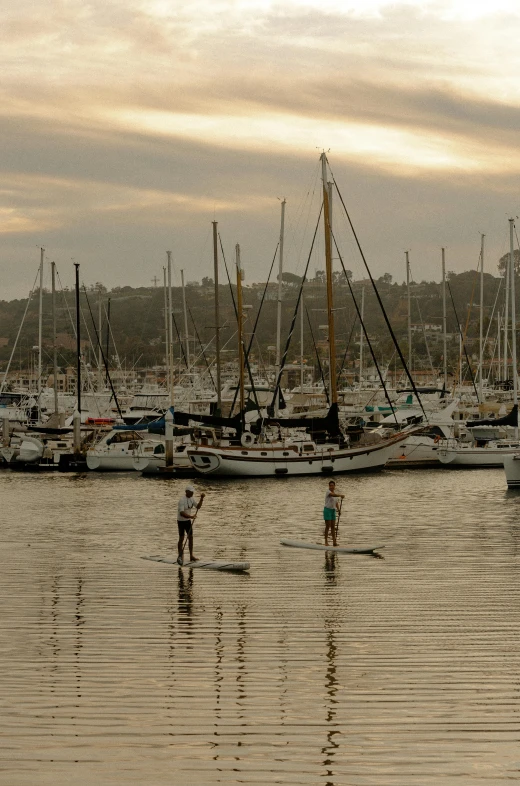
247 439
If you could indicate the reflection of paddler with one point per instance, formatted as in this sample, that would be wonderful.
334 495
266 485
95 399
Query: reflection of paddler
186 514
329 512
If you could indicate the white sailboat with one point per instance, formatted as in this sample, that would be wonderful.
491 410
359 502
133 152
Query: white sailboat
296 452
479 450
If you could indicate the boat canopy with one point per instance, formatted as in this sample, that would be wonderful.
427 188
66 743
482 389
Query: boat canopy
511 419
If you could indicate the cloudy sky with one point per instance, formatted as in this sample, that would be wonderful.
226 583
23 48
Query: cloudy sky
127 127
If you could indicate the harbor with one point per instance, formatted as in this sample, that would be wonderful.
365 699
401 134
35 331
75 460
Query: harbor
311 668
259 393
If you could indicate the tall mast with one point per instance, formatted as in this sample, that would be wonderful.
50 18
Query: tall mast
108 334
328 269
409 312
481 337
186 336
499 331
54 347
279 303
444 337
361 338
513 315
40 330
301 344
217 318
100 333
506 321
166 330
78 341
240 319
170 328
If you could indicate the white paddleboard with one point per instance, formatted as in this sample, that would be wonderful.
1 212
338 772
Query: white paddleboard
204 563
298 544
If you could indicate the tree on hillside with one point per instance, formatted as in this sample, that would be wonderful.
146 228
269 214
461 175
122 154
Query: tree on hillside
504 261
291 279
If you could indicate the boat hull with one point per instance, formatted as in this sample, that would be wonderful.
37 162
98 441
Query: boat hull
475 457
512 470
271 463
105 463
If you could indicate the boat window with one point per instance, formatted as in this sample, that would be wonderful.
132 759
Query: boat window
263 453
308 448
286 452
244 452
204 460
159 449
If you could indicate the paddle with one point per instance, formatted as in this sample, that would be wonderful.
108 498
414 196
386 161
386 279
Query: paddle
337 520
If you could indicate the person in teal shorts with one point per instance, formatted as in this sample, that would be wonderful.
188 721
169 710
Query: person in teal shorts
329 512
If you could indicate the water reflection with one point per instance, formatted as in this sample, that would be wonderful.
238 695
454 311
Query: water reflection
331 670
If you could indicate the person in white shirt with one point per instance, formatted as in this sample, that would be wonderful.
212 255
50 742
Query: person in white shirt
187 510
329 512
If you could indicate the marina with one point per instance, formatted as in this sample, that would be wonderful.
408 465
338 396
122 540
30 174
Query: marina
259 400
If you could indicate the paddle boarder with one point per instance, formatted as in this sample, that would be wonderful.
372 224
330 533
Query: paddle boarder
329 512
186 513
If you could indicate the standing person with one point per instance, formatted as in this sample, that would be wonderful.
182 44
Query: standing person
329 512
186 513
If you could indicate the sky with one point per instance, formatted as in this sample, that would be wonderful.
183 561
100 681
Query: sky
127 128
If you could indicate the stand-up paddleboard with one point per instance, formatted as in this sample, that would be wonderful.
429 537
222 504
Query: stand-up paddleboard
204 563
298 544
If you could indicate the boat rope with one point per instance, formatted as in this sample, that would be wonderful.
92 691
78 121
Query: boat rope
246 357
369 343
320 367
98 338
463 344
383 310
295 314
6 372
248 350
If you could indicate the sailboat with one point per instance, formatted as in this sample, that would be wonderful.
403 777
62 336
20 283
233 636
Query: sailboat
295 446
485 449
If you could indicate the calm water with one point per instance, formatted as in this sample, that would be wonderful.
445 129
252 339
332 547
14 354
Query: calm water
310 670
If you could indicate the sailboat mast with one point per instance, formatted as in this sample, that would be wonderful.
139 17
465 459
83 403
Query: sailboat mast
186 336
409 311
78 341
481 337
40 336
217 317
240 320
513 315
328 270
361 338
301 345
100 333
166 330
279 303
170 328
499 356
54 347
506 320
444 337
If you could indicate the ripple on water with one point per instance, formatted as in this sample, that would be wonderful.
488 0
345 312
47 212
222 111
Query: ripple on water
314 668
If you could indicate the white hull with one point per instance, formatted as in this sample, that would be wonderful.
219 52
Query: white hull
271 462
476 457
107 463
512 470
415 451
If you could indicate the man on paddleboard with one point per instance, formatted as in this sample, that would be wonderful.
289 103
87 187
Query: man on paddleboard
329 512
186 513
